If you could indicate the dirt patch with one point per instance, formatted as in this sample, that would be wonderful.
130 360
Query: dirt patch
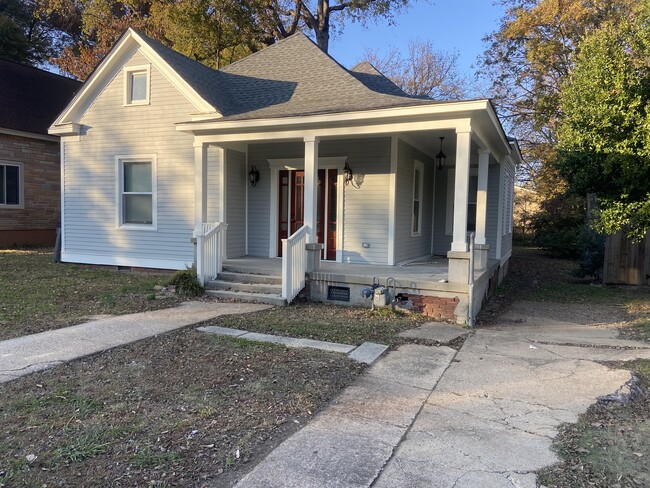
182 409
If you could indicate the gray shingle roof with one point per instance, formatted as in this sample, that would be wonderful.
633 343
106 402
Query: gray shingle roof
30 98
290 78
370 76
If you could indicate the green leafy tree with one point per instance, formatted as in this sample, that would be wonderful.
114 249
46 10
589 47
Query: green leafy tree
604 130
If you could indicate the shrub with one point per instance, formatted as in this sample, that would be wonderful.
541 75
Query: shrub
187 283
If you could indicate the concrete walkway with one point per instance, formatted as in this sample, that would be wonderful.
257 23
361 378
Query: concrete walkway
24 355
484 416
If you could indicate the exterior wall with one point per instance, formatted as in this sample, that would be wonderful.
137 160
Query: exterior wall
236 179
365 209
214 184
36 221
408 246
492 223
91 232
441 240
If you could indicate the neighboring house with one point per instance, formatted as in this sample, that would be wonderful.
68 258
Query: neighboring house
286 148
526 208
30 100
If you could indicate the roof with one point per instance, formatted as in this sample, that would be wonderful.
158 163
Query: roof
32 98
292 77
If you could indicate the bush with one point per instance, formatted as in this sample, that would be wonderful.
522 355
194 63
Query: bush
187 283
593 254
559 225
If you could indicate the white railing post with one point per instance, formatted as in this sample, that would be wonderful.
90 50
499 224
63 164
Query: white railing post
294 263
210 240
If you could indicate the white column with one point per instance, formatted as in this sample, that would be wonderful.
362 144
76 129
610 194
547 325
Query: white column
481 195
200 184
461 190
311 186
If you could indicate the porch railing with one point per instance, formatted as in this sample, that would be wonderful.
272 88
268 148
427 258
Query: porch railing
210 239
294 264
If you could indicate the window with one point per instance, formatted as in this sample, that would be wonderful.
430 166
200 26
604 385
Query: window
11 185
137 192
136 82
418 176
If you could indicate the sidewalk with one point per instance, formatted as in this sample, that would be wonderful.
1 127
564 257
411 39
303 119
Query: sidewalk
25 355
435 417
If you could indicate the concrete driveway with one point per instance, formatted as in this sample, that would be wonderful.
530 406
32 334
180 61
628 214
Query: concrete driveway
483 416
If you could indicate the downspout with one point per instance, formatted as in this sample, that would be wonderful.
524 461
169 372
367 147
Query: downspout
470 309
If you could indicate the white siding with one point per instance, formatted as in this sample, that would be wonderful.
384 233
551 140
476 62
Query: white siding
366 208
236 179
441 240
492 209
406 245
214 184
90 177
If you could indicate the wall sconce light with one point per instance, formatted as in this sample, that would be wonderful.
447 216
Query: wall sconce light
253 176
348 176
441 158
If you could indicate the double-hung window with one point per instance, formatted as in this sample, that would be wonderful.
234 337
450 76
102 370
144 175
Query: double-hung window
11 185
137 192
136 83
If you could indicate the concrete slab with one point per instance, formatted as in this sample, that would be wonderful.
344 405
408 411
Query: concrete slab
368 352
323 345
36 352
414 365
436 332
349 442
274 339
226 331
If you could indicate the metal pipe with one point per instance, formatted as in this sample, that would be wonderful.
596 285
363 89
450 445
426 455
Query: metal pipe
470 309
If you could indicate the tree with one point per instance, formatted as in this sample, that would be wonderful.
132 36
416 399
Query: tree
603 132
530 56
424 72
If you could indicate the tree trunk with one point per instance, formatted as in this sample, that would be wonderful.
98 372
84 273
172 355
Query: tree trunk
322 27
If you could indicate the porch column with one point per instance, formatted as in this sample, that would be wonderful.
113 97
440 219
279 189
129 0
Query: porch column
311 187
200 184
461 190
481 195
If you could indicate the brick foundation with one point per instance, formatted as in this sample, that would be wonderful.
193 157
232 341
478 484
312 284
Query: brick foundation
434 307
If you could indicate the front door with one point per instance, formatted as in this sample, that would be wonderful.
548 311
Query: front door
292 208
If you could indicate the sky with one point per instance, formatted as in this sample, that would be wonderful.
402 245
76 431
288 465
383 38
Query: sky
452 25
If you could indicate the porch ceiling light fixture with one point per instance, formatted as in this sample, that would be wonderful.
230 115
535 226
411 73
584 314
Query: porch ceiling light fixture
441 158
253 176
348 176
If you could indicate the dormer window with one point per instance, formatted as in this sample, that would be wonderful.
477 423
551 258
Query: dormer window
136 83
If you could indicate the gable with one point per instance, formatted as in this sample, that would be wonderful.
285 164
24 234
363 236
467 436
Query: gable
130 43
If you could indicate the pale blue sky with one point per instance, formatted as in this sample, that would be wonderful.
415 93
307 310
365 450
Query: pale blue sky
452 25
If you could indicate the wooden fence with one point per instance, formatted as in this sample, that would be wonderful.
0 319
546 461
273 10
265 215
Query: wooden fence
626 262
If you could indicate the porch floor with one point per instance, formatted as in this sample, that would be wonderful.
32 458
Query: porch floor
431 269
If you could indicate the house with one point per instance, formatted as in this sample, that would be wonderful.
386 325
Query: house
285 163
29 157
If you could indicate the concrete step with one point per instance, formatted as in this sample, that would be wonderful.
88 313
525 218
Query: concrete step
271 299
229 274
242 286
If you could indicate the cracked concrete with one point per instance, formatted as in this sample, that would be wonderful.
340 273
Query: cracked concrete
485 416
24 355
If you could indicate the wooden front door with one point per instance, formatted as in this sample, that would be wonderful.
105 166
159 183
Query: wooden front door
291 207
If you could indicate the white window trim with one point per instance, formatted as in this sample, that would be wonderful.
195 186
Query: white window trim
417 166
21 185
119 184
130 70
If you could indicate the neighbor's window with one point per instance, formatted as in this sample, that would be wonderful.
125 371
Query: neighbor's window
418 176
137 199
10 185
137 85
